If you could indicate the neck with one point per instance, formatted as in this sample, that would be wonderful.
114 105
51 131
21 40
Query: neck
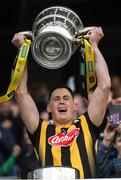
62 123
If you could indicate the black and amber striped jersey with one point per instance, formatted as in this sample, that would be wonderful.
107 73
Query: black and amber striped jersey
69 146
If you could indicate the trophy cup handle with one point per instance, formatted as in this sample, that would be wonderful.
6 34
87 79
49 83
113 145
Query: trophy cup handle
83 32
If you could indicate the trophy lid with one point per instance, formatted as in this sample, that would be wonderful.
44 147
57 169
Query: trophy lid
57 16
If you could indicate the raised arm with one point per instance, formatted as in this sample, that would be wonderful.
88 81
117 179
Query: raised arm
27 107
97 105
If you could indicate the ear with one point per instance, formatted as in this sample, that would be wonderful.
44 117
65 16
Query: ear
75 106
48 108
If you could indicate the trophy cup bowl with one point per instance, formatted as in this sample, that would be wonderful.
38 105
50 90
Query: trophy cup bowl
53 34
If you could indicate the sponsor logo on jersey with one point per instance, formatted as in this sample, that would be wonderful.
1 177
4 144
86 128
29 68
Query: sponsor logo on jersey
62 139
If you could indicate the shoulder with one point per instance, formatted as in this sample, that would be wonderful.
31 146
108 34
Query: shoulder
87 123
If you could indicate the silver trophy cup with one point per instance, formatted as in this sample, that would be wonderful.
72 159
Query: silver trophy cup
53 35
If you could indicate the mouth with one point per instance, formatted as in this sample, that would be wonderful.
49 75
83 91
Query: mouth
62 110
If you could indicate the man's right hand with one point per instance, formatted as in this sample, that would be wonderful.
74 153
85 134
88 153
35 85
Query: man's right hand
18 40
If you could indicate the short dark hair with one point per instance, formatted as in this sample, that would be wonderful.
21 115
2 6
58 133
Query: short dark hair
60 86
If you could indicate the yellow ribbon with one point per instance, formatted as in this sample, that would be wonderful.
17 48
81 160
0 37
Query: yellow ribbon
19 68
90 65
87 65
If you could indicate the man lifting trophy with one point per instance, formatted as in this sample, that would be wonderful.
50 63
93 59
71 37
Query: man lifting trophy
65 146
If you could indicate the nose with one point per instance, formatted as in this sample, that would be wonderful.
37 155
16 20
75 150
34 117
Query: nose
61 101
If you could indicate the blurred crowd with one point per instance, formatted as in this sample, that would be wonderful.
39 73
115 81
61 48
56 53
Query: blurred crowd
17 155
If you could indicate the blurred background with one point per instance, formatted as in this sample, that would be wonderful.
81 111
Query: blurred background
19 15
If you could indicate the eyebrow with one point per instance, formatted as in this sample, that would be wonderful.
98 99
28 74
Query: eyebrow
56 97
60 96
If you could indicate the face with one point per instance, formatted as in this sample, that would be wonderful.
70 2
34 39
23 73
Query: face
61 106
